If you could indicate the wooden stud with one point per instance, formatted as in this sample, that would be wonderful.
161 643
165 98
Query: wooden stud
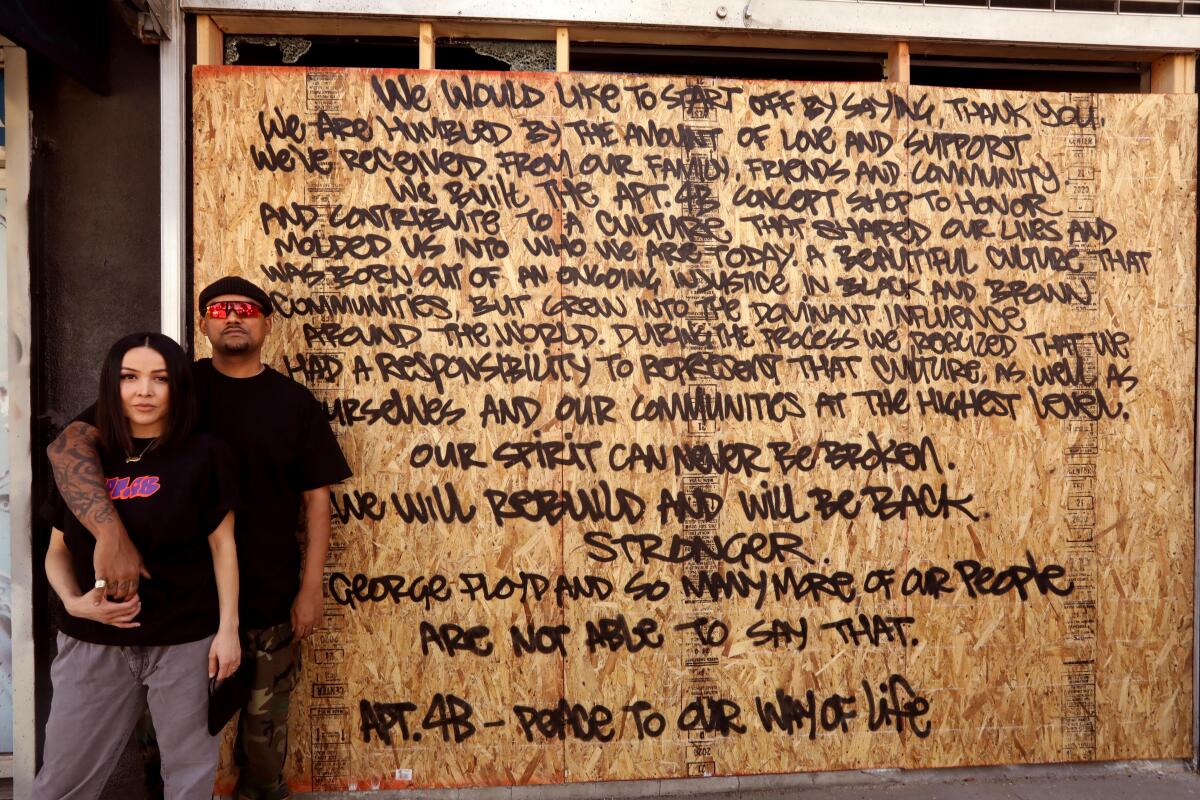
210 42
325 25
425 46
1174 73
562 49
897 68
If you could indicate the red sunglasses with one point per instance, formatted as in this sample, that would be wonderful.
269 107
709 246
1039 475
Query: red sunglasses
223 308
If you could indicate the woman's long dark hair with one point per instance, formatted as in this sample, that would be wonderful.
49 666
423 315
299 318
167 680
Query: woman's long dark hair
115 436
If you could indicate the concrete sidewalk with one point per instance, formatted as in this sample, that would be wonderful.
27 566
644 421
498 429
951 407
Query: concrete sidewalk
1168 786
1139 780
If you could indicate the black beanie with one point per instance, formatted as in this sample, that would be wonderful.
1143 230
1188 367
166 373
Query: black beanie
232 284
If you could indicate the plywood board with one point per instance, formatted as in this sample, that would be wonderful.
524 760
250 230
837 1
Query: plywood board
727 427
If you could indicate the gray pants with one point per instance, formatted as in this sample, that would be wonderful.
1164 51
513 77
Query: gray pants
97 701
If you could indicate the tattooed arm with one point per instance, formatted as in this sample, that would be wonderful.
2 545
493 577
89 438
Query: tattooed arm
74 455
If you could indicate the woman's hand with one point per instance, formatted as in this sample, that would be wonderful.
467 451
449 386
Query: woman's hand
225 654
98 608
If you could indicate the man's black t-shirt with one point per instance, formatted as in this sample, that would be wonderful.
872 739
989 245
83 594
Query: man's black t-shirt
283 444
170 501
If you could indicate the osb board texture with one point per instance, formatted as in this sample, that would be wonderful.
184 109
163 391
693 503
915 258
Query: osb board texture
1014 271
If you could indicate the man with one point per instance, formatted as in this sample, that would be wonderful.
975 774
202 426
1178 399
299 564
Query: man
287 458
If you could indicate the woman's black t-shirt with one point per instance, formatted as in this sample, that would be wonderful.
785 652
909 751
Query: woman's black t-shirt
170 501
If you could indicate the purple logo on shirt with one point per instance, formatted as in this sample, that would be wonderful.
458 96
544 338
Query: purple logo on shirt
129 488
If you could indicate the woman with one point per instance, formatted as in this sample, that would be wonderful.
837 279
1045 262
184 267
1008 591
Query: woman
174 491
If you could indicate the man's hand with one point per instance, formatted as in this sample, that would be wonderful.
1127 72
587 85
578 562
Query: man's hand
80 477
307 611
118 563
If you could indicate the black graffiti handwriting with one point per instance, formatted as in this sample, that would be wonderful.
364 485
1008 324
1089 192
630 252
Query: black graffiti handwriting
451 638
979 344
777 633
418 366
887 286
397 93
547 454
530 586
315 160
762 586
1036 176
891 703
814 313
438 505
897 705
971 147
707 367
774 502
543 639
1090 404
868 456
1068 115
563 719
281 126
598 503
708 633
741 548
711 715
1063 372
589 97
610 277
935 259
798 200
445 454
1073 293
660 225
1104 343
797 170
883 230
337 334
924 501
980 580
400 306
423 162
447 131
350 591
732 281
874 629
710 404
475 94
908 369
891 105
962 404
446 713
393 409
515 332
380 718
806 714
696 334
616 633
955 316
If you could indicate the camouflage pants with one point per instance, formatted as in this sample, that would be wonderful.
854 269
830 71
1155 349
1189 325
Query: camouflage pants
261 746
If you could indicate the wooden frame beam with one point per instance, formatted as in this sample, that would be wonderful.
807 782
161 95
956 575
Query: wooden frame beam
898 67
426 46
562 50
210 42
1172 74
311 25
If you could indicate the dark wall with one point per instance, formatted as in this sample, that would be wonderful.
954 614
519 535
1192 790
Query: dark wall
94 248
95 236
